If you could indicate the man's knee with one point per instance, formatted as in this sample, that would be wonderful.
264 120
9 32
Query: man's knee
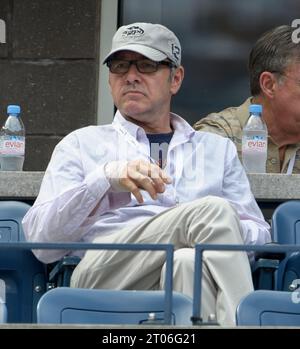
184 256
214 203
183 271
184 261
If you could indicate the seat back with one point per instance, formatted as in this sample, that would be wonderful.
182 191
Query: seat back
3 308
289 272
286 230
3 313
269 308
23 274
286 223
90 306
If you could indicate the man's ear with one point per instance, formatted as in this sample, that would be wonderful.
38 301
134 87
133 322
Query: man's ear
177 79
268 82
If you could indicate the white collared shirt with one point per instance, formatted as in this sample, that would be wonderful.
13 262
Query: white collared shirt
75 202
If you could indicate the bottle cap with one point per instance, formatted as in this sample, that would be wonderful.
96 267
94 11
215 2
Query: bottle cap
255 108
13 109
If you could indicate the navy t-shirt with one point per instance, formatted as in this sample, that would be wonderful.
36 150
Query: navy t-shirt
159 143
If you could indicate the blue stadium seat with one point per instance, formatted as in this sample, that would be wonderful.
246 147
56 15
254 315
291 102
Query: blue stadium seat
23 274
3 313
286 223
90 306
3 308
286 230
269 308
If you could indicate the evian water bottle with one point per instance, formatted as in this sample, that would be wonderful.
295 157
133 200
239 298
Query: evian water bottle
255 141
12 141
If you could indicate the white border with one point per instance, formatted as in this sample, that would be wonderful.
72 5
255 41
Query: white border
108 26
2 31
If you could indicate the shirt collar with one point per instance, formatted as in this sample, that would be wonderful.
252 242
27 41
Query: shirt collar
130 127
181 128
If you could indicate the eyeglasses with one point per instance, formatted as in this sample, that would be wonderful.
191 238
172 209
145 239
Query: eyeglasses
120 66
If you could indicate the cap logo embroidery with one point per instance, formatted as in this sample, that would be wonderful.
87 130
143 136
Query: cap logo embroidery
175 51
133 31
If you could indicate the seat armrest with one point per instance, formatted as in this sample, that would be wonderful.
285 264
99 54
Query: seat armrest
265 265
62 271
270 255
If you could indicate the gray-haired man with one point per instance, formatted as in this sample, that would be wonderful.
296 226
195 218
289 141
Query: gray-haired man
107 184
274 69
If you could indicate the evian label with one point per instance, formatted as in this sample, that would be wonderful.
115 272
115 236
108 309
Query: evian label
12 145
256 143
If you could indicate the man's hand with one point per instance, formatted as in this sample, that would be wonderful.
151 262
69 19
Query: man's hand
134 175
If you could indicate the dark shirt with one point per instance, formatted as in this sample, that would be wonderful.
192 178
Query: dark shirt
159 143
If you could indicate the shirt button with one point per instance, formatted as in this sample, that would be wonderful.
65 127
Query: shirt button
273 161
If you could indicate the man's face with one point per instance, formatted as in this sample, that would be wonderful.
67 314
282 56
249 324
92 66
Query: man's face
140 96
286 103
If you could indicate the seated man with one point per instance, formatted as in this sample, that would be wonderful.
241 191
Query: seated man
274 67
149 177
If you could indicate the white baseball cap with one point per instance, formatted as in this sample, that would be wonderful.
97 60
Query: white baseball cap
153 41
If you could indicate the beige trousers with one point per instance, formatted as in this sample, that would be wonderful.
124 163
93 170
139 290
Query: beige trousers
226 274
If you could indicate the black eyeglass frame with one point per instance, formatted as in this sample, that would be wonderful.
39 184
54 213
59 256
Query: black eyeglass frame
136 63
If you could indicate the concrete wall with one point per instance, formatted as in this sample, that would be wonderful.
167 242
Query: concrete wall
49 65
